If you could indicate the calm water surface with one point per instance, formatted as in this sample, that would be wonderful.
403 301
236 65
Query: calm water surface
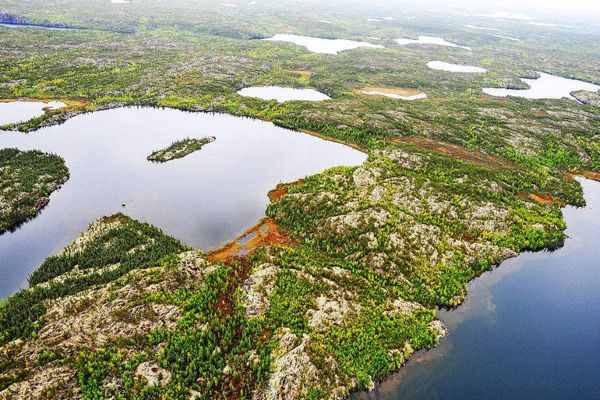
444 66
20 111
545 87
528 330
282 94
34 26
319 45
430 40
204 199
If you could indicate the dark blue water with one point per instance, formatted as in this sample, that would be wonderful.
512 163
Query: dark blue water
529 330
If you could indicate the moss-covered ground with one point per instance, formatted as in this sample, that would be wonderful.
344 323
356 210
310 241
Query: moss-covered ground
454 184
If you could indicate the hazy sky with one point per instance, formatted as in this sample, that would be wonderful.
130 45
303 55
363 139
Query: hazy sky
585 8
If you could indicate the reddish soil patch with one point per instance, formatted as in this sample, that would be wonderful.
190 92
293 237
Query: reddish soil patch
595 176
455 151
277 193
282 189
266 233
543 199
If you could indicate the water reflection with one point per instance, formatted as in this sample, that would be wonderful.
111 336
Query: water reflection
319 45
282 94
527 330
204 199
545 87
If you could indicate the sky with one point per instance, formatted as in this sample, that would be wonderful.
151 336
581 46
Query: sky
551 8
555 9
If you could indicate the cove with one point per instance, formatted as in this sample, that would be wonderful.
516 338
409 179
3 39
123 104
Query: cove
545 87
204 199
528 330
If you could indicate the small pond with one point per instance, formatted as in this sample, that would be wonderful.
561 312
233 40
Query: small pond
430 40
396 94
282 94
545 87
444 66
323 46
204 199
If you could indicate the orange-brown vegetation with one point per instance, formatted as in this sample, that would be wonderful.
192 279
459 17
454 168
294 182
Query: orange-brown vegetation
456 151
265 233
591 175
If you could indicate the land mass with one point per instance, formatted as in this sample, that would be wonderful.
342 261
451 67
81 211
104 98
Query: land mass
338 298
340 284
26 181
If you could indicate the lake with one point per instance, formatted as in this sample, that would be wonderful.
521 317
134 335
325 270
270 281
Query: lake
35 26
282 94
528 330
323 46
19 111
204 199
545 87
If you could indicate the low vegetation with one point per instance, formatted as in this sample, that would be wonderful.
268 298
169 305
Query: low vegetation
27 179
340 285
342 303
180 149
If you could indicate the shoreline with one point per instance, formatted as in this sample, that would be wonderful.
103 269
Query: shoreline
454 317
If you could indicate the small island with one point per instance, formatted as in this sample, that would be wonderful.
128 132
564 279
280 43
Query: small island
26 181
180 149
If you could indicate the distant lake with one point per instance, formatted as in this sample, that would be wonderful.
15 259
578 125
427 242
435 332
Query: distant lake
545 87
204 199
19 111
444 66
36 26
282 94
528 330
430 40
324 46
